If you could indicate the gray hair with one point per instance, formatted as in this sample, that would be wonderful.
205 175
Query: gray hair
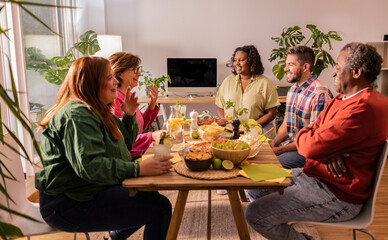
364 57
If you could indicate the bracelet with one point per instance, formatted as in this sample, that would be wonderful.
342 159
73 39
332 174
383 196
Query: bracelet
135 169
138 169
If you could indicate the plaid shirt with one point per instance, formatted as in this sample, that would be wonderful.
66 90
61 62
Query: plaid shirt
304 103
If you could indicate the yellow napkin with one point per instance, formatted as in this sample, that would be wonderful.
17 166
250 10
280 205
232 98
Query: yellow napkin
265 172
176 158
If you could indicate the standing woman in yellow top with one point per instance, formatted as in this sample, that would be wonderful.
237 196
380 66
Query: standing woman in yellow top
248 88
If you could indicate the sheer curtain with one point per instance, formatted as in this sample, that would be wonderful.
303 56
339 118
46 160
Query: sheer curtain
36 95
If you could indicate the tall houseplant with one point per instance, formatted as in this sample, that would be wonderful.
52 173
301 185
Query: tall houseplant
11 103
293 36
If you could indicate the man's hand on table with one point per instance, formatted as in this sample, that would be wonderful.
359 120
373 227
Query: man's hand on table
336 165
277 150
155 166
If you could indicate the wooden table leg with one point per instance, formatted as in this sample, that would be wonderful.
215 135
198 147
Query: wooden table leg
177 215
242 195
209 214
238 215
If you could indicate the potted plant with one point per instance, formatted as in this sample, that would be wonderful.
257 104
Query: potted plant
293 36
150 81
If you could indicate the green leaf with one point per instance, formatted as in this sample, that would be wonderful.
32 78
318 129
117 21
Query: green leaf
89 44
278 71
4 31
5 208
9 231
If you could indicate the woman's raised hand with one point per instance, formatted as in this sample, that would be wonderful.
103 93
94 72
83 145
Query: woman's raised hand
130 103
155 165
153 94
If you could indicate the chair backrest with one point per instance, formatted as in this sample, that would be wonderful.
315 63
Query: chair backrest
367 213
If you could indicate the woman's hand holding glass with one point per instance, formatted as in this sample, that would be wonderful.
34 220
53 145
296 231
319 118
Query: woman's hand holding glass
130 103
155 165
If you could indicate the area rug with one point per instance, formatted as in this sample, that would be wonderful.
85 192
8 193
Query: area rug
194 222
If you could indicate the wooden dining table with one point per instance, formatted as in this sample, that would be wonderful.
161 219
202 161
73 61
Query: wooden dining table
183 184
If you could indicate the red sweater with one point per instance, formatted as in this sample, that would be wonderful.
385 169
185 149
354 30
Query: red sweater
358 126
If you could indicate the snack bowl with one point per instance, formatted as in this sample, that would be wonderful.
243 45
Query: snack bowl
198 161
236 156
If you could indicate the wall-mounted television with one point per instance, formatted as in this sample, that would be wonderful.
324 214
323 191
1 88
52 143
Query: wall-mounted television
192 75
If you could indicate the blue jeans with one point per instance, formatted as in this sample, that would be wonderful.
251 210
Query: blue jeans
291 160
306 199
110 210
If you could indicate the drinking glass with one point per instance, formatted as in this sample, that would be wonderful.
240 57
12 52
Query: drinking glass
161 150
183 111
228 113
244 117
175 127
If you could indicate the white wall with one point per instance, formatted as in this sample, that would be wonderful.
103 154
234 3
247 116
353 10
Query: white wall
158 29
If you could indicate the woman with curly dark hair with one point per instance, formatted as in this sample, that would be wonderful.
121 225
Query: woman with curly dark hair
248 88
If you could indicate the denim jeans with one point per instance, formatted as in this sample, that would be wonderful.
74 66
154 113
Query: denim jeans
110 210
291 160
306 199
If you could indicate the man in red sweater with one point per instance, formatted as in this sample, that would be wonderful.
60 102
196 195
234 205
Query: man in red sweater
341 150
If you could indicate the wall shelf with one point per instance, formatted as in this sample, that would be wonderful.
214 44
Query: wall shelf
382 49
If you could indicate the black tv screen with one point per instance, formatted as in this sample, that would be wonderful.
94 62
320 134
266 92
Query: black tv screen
192 72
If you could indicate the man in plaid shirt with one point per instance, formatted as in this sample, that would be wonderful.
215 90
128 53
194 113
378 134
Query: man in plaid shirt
305 100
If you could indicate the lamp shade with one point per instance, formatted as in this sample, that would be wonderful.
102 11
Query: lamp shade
109 44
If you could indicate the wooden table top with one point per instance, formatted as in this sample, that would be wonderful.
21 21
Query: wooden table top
174 181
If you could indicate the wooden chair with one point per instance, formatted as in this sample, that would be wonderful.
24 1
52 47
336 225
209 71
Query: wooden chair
365 217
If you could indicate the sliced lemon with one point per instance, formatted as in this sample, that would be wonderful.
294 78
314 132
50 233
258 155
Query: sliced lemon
259 130
174 126
167 142
227 165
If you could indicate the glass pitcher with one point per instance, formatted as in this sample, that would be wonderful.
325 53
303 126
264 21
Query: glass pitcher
175 127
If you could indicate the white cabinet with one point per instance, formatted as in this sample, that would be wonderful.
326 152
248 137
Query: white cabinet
382 49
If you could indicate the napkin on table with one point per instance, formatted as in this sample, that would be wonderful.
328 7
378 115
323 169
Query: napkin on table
176 158
265 172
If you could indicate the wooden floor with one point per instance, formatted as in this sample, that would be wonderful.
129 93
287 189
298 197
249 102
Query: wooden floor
379 226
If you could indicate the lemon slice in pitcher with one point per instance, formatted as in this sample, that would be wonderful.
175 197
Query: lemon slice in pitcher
167 142
227 165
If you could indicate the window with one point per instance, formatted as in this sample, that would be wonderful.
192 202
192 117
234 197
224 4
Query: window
34 92
41 44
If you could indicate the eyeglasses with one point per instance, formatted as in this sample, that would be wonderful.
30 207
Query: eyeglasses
138 69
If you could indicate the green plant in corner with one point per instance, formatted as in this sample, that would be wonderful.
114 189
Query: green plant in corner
159 82
293 36
10 102
54 70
